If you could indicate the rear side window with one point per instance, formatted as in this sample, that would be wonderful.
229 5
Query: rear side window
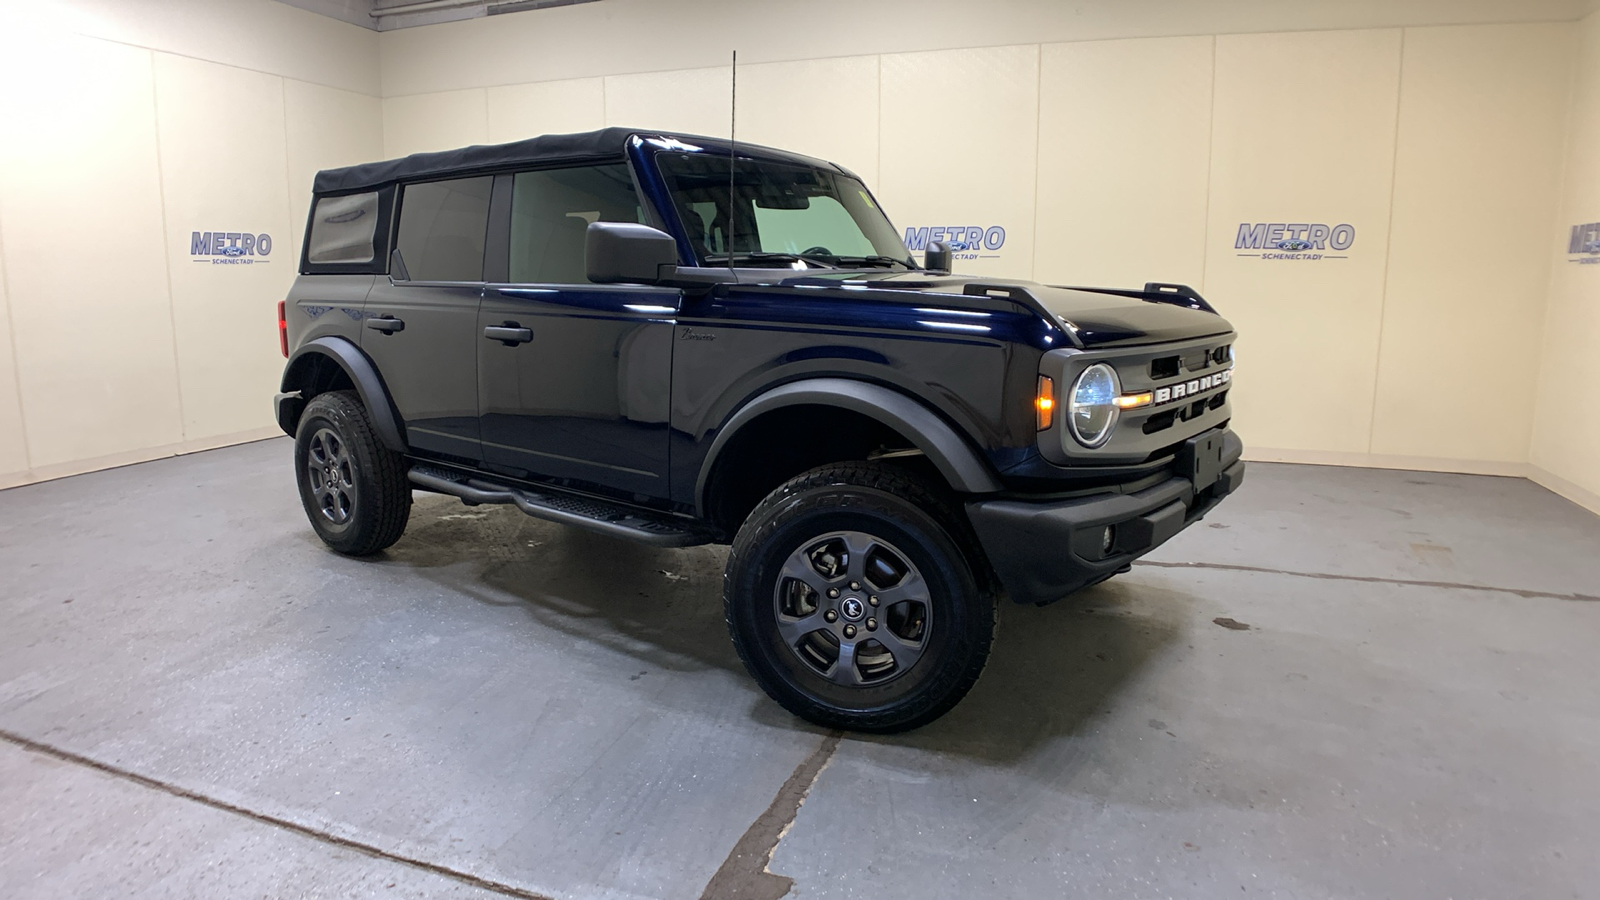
442 229
551 211
342 229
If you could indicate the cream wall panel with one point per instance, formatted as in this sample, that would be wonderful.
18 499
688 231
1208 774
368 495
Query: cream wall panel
80 208
651 35
442 121
687 101
13 443
959 144
325 128
1288 150
1483 111
1125 147
1566 433
224 168
776 102
254 34
521 111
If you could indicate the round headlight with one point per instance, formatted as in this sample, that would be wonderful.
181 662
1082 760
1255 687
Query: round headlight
1092 414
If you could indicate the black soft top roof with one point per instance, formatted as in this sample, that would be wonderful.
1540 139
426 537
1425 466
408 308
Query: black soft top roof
603 144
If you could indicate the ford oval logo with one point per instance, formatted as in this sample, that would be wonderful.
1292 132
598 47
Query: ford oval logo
1294 244
232 251
959 246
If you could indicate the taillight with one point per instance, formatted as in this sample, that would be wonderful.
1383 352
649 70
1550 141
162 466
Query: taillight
283 331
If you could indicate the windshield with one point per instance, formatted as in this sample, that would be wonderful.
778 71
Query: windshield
782 215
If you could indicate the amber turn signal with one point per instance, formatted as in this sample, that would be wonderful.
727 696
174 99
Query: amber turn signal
1132 401
1044 405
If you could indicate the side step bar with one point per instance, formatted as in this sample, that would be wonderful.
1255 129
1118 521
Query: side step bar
603 516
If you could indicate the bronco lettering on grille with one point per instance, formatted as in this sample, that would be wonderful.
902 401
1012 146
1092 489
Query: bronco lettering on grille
1192 387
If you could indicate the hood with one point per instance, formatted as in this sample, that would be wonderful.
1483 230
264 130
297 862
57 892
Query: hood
1095 318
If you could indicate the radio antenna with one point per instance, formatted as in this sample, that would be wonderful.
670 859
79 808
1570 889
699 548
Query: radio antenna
733 148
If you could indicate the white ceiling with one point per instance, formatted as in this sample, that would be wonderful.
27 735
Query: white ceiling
387 15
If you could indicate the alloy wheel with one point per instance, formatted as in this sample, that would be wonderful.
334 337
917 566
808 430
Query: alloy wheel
332 474
853 608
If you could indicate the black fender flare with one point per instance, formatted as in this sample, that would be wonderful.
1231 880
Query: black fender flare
955 459
363 374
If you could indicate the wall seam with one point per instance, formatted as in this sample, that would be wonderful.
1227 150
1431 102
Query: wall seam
878 175
1552 261
217 62
166 246
288 166
1211 156
1038 152
11 335
1388 243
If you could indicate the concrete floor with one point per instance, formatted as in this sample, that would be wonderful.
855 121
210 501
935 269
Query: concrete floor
197 699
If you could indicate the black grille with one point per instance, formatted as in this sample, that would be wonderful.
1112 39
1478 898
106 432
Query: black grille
1163 367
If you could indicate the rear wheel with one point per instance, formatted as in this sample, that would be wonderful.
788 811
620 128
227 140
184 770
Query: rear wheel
353 488
851 603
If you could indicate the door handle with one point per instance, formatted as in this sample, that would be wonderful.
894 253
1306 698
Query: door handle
386 324
508 334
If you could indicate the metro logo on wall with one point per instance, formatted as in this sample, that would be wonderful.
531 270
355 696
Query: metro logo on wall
229 248
1301 241
1583 247
965 241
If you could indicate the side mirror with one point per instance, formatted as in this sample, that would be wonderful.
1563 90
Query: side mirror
616 252
936 258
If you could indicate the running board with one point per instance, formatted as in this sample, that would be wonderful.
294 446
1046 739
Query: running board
615 519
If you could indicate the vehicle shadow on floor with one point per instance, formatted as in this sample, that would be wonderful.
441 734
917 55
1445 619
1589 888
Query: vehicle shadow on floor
1052 670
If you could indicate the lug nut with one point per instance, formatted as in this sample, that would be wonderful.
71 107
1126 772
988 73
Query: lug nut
855 585
830 616
833 593
849 631
873 599
872 624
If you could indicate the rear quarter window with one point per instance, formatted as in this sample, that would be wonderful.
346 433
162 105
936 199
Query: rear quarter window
343 228
349 234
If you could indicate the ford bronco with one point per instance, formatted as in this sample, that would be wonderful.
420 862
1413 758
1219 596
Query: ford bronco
678 340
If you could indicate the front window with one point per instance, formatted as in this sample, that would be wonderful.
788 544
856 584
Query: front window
782 215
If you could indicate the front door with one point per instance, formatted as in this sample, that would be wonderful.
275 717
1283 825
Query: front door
574 378
421 324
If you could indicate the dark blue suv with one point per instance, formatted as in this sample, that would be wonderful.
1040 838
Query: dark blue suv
675 340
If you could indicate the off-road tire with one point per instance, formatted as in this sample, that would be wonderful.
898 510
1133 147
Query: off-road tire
911 517
380 493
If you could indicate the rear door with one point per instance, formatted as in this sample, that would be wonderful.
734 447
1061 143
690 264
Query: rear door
420 324
574 377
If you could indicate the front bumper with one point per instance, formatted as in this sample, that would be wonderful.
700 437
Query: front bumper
1045 551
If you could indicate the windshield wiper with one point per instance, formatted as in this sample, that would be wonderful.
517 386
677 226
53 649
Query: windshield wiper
829 261
873 260
763 256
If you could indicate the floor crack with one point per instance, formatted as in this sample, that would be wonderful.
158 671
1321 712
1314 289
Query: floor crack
315 834
1370 579
744 874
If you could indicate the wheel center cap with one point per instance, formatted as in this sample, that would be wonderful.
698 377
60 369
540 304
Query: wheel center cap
852 608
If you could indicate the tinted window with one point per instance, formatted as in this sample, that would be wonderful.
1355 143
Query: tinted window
823 223
442 226
550 211
342 229
778 212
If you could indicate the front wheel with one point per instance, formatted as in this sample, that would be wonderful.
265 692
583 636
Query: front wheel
851 603
353 488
